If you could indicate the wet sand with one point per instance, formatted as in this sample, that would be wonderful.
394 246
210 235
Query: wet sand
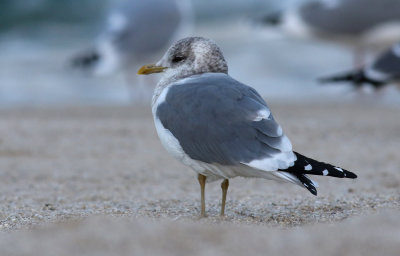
91 180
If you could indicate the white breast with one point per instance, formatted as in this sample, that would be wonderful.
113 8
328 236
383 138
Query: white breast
170 143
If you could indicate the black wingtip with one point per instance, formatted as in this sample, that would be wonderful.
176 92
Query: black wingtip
307 183
311 188
306 165
350 175
357 77
313 191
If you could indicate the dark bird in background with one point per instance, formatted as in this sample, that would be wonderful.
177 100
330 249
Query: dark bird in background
385 69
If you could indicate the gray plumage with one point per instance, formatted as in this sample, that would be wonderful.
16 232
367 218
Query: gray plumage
367 26
220 127
213 116
349 17
149 26
388 64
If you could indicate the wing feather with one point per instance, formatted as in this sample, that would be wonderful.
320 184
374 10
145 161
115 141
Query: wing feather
218 120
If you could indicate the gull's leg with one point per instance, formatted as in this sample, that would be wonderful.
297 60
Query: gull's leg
202 181
224 186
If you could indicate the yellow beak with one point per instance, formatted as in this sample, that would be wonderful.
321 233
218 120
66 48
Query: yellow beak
150 69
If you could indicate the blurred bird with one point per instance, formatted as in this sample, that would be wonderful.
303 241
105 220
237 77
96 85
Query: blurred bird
220 127
385 69
365 25
135 32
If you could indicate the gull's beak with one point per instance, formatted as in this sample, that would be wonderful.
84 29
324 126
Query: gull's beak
150 69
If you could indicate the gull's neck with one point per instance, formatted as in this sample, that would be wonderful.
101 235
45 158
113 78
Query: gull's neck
157 91
169 77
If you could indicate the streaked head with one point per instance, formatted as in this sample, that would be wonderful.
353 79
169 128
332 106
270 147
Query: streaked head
187 57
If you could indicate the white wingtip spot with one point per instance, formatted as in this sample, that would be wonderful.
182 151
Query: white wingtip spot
325 172
339 169
279 131
262 114
308 167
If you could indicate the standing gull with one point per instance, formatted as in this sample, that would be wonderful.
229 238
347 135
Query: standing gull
220 127
365 25
385 69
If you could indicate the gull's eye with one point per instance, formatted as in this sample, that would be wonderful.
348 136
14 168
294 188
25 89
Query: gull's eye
177 59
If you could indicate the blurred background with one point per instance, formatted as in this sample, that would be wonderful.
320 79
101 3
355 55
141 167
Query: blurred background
38 38
73 144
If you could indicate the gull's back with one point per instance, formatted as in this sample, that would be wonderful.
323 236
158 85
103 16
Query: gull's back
388 64
349 17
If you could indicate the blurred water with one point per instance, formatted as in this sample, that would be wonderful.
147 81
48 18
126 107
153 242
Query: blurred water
33 68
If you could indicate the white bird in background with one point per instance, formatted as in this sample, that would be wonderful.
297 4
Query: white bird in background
135 32
368 26
384 70
220 127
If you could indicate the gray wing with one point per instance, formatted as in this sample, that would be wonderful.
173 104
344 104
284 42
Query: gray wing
387 66
219 120
143 27
349 16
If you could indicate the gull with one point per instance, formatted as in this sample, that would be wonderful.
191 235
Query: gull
222 128
135 32
385 69
365 25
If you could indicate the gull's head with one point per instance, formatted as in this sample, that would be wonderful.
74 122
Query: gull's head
187 57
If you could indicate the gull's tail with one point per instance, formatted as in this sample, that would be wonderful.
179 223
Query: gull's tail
304 166
357 77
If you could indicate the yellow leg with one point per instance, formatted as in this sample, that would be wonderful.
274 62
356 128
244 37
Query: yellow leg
202 181
224 186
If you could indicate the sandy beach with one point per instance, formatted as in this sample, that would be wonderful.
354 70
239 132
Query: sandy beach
75 180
